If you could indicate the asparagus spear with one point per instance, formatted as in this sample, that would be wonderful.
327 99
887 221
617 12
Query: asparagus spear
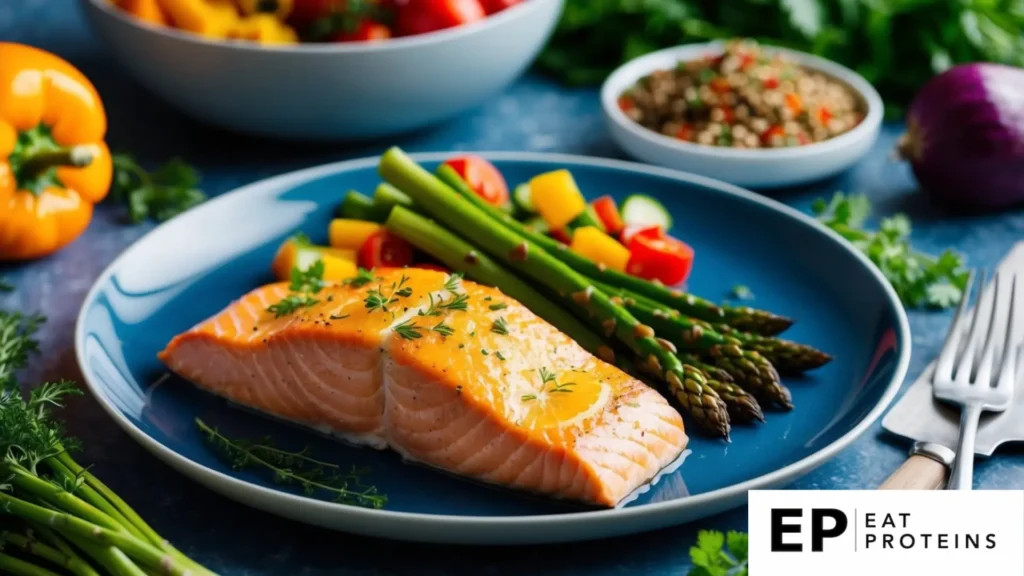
748 368
742 318
787 357
743 408
450 208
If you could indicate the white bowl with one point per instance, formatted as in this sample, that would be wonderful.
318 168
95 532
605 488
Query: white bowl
329 91
752 168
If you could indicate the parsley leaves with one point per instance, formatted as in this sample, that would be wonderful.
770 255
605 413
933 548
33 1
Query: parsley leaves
304 284
161 195
918 279
710 559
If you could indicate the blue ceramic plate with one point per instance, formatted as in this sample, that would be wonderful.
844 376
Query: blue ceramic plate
193 266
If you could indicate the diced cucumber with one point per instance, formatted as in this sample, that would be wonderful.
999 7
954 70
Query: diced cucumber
587 218
537 224
642 210
521 199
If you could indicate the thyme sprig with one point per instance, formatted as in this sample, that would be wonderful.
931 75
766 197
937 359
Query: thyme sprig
298 468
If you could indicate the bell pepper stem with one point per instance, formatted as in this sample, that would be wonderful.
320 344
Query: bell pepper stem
73 156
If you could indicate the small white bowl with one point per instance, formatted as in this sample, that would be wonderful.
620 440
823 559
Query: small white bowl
752 168
346 91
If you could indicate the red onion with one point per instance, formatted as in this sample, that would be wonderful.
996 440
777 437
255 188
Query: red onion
965 137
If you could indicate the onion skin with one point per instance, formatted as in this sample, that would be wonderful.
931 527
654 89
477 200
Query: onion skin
965 137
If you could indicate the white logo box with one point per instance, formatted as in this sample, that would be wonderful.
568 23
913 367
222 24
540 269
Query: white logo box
887 532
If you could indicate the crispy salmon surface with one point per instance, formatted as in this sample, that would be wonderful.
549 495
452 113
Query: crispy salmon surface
448 373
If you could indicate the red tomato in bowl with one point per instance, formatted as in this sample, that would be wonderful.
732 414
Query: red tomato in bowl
495 6
368 31
423 16
483 177
383 250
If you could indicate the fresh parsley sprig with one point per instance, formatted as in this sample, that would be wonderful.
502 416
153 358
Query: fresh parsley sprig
159 195
918 279
718 554
304 285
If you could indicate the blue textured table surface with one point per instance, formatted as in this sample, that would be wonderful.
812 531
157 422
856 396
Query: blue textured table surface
531 115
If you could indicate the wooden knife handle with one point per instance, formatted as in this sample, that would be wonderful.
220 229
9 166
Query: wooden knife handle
917 473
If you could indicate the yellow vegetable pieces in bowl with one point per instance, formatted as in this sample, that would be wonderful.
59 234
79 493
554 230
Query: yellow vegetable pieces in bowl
216 19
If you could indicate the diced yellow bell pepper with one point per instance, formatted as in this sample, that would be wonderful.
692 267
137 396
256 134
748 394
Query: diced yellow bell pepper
601 248
339 264
351 234
557 198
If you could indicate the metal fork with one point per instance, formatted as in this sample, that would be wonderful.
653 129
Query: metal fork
964 379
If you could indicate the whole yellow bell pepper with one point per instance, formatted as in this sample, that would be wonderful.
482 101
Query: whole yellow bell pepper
54 164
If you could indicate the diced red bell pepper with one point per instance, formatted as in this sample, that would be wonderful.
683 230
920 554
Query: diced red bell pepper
794 102
720 85
665 259
423 16
368 31
626 104
562 236
770 133
770 83
824 115
685 133
495 6
609 215
385 250
482 177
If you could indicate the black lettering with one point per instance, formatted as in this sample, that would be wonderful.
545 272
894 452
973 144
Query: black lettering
943 541
818 531
869 539
973 541
869 520
779 528
886 540
903 541
888 522
991 539
905 516
925 537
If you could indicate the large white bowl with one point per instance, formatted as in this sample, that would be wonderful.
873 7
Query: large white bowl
329 91
751 168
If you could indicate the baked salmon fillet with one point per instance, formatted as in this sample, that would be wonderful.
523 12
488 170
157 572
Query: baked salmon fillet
446 372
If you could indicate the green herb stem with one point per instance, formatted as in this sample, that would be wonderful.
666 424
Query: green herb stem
40 550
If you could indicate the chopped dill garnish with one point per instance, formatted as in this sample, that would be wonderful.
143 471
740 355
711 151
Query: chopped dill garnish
484 351
453 282
443 329
408 330
338 316
500 327
498 306
500 355
290 304
562 387
362 278
437 307
546 375
377 300
528 397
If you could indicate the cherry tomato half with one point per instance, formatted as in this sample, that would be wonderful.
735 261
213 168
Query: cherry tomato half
627 234
664 259
482 177
423 16
385 250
